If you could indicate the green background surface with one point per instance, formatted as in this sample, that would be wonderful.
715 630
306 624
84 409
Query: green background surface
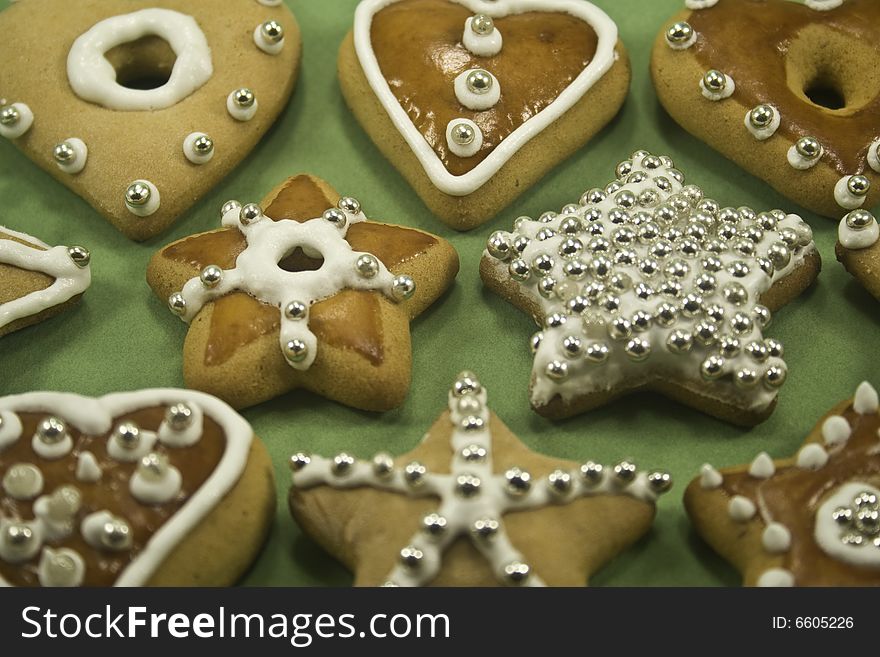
123 338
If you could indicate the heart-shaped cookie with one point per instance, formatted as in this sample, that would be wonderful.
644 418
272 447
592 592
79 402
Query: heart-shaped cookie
474 101
38 281
141 108
135 488
789 91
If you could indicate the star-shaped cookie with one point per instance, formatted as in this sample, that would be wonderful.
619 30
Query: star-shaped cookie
647 284
811 520
472 506
302 292
38 281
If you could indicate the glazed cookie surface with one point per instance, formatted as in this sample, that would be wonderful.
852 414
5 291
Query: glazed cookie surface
810 520
302 292
38 281
789 91
472 101
472 506
131 489
858 248
143 108
647 284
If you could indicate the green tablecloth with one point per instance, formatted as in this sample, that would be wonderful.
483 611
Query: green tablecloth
123 338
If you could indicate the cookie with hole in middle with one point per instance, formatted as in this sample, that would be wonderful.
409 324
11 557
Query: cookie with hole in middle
142 107
858 248
474 102
38 281
790 91
302 292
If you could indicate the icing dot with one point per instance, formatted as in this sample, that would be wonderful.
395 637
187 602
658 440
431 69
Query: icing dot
858 230
155 481
762 121
776 538
15 120
716 85
269 37
844 194
866 399
805 153
51 440
142 198
836 431
198 148
242 104
87 468
484 39
681 36
10 428
128 443
823 5
477 89
812 457
741 508
874 156
270 3
710 477
61 568
700 4
71 155
182 426
776 577
104 531
19 541
464 137
23 481
762 467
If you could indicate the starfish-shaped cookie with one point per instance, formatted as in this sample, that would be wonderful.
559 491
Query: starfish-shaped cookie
472 506
302 292
811 520
646 284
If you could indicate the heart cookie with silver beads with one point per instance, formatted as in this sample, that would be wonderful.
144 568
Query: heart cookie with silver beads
131 489
142 109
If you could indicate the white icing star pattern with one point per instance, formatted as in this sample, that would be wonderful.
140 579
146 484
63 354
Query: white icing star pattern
647 279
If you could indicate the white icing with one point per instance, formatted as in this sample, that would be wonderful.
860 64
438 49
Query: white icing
24 123
823 5
190 152
493 500
95 417
762 467
152 203
844 197
858 239
586 377
468 150
118 452
710 478
81 155
776 577
874 155
475 101
776 538
10 427
866 399
767 131
52 451
257 272
240 113
270 3
23 481
741 508
93 78
148 491
801 163
726 92
467 183
700 4
87 468
70 280
812 457
92 528
188 436
54 529
268 47
836 431
17 553
828 532
481 45
684 45
71 573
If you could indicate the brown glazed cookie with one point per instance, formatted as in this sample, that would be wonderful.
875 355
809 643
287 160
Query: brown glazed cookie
789 91
472 506
142 107
647 285
38 281
473 102
309 270
135 488
858 248
811 520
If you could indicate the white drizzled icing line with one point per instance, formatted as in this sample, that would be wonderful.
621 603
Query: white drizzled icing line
605 29
741 509
726 92
72 573
70 280
776 577
93 78
481 45
823 5
87 468
268 47
857 239
700 4
836 431
812 457
710 478
240 113
768 130
467 150
776 538
24 123
866 401
828 532
874 155
81 156
801 163
95 417
762 467
10 428
190 152
475 101
844 197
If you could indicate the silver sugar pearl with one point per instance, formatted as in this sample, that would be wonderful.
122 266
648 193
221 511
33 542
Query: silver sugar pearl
411 557
299 461
712 368
479 81
592 473
296 310
64 153
482 25
137 194
660 481
342 464
116 535
243 98
463 133
9 116
272 31
229 206
349 204
519 482
367 265
434 525
51 431
625 472
559 482
336 217
179 417
858 185
516 573
203 145
762 116
414 473
177 304
211 276
127 435
249 214
485 529
808 147
402 287
467 485
859 220
296 351
474 453
80 256
383 465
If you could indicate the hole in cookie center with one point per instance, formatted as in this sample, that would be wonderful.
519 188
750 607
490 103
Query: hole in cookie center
825 93
142 64
299 260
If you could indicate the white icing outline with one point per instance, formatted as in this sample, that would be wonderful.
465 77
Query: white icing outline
827 532
240 113
726 92
468 150
700 4
858 239
767 131
874 155
24 123
81 156
468 183
264 44
190 152
93 78
270 3
70 279
801 163
823 5
95 417
845 198
475 101
10 428
481 45
152 203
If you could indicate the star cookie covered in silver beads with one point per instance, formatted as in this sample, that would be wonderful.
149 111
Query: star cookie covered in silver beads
809 520
472 506
302 292
647 284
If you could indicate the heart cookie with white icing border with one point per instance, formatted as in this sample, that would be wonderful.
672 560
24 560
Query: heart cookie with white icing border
141 108
131 489
38 281
474 101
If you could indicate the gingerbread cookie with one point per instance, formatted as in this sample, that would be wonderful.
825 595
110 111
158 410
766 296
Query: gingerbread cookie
472 506
811 520
646 284
858 248
302 292
789 91
131 489
141 109
473 101
38 281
